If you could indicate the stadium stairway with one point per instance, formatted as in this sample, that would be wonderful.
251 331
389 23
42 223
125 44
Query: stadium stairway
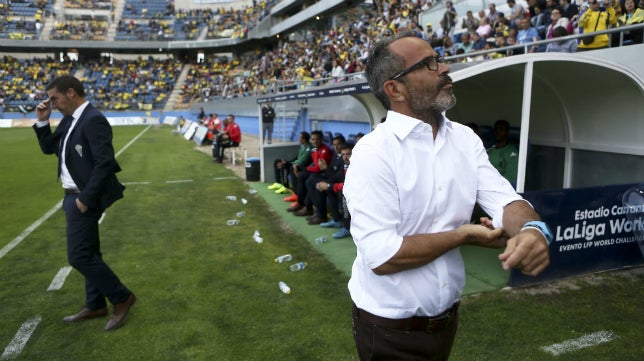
118 10
176 91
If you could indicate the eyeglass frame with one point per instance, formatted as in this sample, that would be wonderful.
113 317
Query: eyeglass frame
425 61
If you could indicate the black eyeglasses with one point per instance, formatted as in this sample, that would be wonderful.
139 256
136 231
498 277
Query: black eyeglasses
431 62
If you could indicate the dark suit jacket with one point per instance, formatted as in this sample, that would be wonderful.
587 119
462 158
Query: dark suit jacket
89 156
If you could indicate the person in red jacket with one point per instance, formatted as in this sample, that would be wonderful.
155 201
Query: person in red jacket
320 152
230 137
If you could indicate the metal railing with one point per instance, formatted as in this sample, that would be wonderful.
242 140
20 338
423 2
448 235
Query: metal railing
280 86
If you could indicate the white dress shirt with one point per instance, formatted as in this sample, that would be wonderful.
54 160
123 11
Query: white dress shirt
403 182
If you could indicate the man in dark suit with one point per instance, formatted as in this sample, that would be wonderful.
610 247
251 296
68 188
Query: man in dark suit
87 167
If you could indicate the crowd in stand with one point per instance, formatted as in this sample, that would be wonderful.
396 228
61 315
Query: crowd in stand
22 81
341 50
140 84
136 20
338 53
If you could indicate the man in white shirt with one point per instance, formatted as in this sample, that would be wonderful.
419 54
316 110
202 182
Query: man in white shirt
410 190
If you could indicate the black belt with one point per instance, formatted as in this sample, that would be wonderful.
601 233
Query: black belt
429 324
72 191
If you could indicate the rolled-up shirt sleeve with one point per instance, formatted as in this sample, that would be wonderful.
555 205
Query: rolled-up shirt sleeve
374 205
494 191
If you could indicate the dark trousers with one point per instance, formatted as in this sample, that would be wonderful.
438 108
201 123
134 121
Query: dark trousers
220 145
268 132
381 343
346 216
301 190
318 198
84 254
282 174
334 200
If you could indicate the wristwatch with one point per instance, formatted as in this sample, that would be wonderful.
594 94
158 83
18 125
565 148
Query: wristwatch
541 227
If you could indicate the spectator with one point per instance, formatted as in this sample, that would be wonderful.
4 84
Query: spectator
478 42
470 23
449 48
538 20
527 34
503 155
430 34
319 152
564 46
230 137
568 9
511 40
547 11
556 21
517 12
466 44
502 24
492 15
484 30
596 19
448 22
632 15
337 71
268 116
286 171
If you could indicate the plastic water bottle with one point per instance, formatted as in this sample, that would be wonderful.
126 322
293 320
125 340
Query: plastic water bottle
258 239
320 240
285 288
252 191
244 200
231 198
232 222
240 214
284 258
297 266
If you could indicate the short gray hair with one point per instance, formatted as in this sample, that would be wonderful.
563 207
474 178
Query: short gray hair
383 64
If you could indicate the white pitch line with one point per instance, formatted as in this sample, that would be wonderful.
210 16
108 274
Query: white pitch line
180 181
223 178
59 280
16 241
20 339
582 342
132 141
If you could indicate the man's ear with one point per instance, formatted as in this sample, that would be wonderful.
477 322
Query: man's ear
395 90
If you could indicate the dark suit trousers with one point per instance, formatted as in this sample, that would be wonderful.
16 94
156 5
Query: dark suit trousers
84 254
301 191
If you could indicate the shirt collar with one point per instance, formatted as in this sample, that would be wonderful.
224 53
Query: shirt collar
403 125
79 111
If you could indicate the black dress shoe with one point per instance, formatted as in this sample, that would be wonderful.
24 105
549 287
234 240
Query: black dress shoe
304 212
120 312
86 314
316 220
294 208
